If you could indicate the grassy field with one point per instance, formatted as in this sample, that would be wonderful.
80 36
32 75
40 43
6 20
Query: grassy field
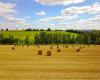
22 34
23 63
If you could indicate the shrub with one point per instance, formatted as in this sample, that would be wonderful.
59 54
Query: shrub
22 45
40 52
49 53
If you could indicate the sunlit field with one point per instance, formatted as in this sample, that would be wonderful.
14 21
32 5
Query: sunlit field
24 63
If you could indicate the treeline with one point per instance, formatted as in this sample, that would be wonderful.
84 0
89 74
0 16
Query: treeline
44 37
11 40
29 29
7 40
92 37
76 31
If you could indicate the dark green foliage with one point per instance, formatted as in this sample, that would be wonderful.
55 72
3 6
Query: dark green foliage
92 37
44 37
75 31
48 29
7 40
27 40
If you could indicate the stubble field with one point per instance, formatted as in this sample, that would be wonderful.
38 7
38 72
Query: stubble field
24 63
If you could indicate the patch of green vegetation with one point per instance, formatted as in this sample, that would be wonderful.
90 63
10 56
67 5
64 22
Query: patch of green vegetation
20 34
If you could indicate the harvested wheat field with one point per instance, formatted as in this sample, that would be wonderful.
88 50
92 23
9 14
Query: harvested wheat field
69 63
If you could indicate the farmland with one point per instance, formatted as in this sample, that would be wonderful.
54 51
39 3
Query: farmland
23 63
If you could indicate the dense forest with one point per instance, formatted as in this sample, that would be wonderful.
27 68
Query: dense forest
92 37
82 37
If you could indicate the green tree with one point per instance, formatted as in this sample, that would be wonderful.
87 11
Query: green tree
27 40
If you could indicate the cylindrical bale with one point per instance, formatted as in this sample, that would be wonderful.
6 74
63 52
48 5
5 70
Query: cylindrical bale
58 50
51 47
77 50
49 53
40 52
13 48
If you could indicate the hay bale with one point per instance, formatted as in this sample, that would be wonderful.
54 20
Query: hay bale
63 46
77 50
51 47
57 46
66 46
13 48
58 50
80 47
49 53
40 52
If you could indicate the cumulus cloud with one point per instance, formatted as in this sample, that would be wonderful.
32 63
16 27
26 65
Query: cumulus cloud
59 18
41 13
90 9
91 23
7 8
8 16
59 2
27 17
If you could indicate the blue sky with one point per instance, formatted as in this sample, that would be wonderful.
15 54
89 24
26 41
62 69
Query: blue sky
55 14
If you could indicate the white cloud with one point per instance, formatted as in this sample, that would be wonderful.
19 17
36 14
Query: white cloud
41 13
59 18
59 2
7 8
27 17
91 23
83 24
90 9
8 17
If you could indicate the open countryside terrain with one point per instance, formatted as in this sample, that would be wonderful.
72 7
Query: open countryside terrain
24 63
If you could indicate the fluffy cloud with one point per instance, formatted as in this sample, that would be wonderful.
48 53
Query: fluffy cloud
41 13
8 16
13 23
59 2
59 18
7 8
91 23
90 9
